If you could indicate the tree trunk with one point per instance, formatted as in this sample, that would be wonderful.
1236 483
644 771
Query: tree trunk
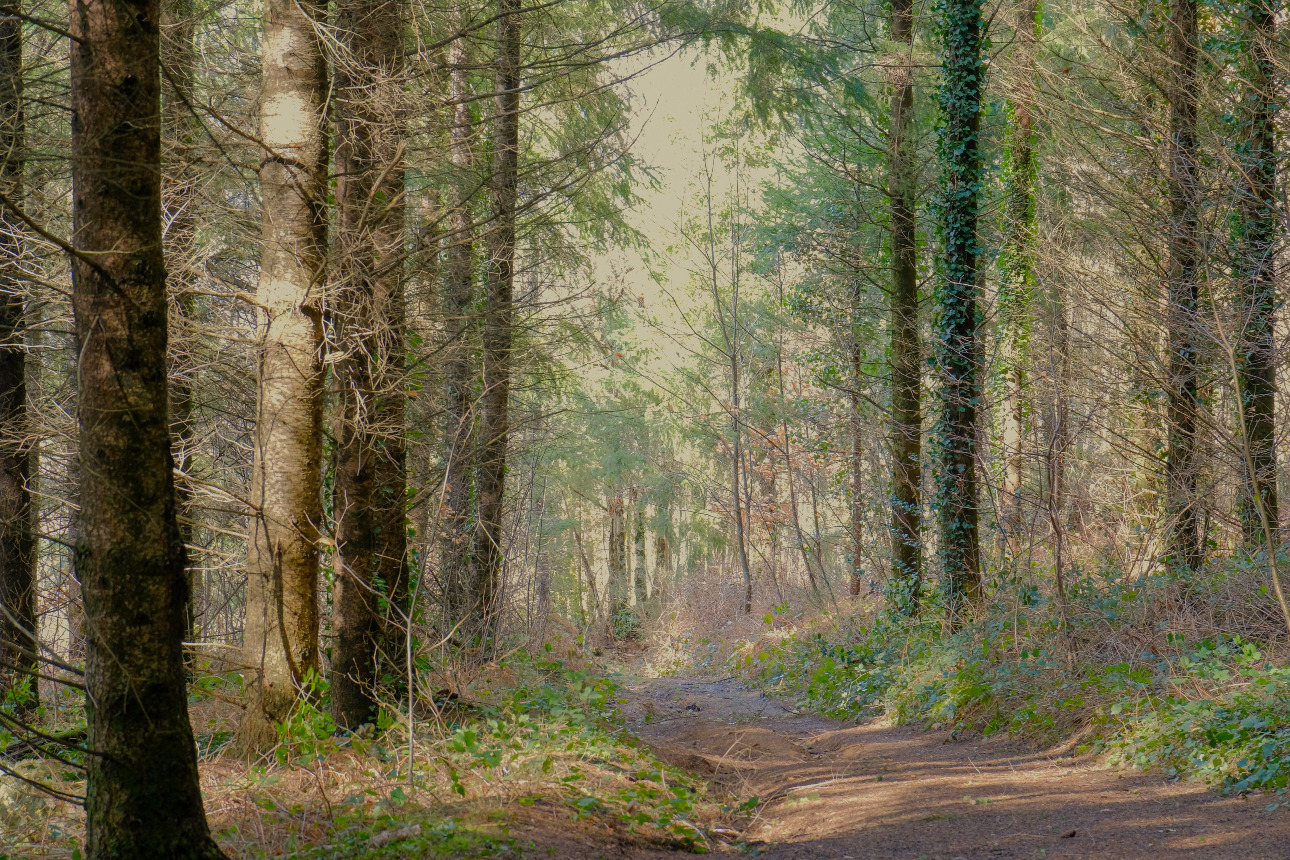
281 630
371 468
180 129
1257 233
459 369
906 350
1016 267
143 799
956 347
499 315
1183 388
19 633
857 452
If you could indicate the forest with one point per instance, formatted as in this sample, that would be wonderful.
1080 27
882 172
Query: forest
588 428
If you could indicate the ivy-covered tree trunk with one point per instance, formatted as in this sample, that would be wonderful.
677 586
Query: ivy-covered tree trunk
1182 413
1017 266
142 797
906 347
371 470
962 76
1258 229
459 369
281 632
499 324
18 623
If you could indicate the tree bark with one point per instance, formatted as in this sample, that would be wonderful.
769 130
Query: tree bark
19 633
1258 228
1184 266
906 349
459 369
956 348
281 630
371 463
143 798
499 315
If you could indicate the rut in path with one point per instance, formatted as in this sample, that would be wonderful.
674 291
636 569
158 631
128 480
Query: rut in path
835 791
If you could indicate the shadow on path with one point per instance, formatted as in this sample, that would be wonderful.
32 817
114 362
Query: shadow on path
834 791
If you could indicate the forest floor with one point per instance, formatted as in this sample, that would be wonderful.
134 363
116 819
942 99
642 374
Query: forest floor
831 790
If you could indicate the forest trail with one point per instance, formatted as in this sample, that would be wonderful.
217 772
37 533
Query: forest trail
829 790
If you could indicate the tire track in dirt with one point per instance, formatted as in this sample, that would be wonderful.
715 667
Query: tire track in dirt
830 790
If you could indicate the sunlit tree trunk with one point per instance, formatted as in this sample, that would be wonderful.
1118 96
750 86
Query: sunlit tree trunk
142 796
1258 229
906 346
371 472
18 622
281 631
494 430
1184 272
962 76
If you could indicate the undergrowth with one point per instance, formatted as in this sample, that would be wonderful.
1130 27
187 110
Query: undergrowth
1138 669
531 737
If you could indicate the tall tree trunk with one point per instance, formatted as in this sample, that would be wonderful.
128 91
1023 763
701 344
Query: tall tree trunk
906 349
499 315
371 464
19 633
281 630
1183 383
1257 233
142 795
1016 265
180 129
459 369
956 348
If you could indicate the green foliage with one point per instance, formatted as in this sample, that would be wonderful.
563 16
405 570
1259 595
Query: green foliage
1217 710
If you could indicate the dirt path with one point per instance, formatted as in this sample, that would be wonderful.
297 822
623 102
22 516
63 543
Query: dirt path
835 791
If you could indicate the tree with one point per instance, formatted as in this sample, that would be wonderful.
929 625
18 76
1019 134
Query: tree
1185 263
180 130
962 79
371 473
281 630
906 349
1016 262
18 622
458 300
1257 232
494 425
143 800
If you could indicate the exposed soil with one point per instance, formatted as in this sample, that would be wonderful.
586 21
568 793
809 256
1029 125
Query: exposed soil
829 790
